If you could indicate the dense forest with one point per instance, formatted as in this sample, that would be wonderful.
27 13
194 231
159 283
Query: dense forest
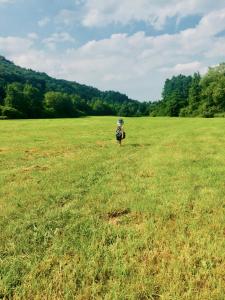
192 96
29 94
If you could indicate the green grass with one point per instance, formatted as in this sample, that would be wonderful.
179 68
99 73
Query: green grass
82 218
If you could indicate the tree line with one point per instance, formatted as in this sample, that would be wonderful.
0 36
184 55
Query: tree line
192 96
29 94
26 101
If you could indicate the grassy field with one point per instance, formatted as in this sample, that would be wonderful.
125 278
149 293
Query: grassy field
82 218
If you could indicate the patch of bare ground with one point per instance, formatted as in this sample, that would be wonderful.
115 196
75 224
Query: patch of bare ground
3 150
138 220
59 153
127 218
154 258
100 143
34 168
38 153
114 216
31 151
118 213
31 154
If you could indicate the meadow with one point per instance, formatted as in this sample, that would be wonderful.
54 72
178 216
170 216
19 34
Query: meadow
82 218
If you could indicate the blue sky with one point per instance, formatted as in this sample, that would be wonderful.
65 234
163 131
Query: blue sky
129 45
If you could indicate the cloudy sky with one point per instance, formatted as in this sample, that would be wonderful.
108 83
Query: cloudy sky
130 46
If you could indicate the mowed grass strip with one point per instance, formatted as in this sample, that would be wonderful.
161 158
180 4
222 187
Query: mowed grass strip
82 218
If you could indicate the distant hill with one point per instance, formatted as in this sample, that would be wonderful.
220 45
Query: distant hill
9 73
89 100
25 93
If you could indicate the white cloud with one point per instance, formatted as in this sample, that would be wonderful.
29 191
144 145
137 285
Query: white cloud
60 37
185 69
14 46
43 22
154 12
66 17
136 64
6 1
33 36
217 50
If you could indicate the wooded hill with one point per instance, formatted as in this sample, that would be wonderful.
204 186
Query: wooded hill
28 94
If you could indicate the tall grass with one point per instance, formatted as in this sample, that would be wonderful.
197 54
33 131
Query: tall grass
82 218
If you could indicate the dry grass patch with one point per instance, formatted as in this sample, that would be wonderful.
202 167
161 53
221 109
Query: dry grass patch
34 168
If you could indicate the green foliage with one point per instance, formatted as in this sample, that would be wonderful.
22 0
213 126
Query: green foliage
194 97
28 92
24 98
15 97
34 101
207 111
179 84
59 104
213 89
1 108
187 96
81 106
2 91
175 94
36 95
12 113
156 109
101 108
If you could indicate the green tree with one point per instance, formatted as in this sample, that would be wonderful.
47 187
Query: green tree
101 108
175 95
213 91
11 113
15 97
2 91
58 105
194 96
81 106
174 103
34 100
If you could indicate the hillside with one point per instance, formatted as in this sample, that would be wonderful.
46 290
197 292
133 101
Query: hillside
95 102
9 73
29 94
